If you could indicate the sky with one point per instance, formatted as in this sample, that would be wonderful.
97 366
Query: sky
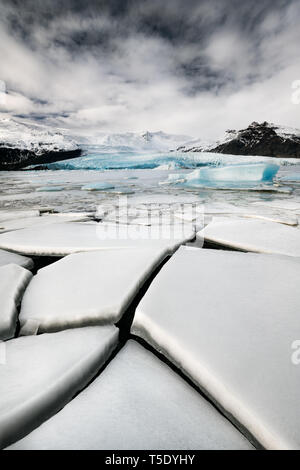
188 67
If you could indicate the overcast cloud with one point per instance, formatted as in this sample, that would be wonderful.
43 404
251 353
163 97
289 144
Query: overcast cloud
181 66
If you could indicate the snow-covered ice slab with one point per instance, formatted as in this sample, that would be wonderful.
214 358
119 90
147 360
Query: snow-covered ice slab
17 214
87 288
48 219
66 238
6 257
137 402
229 320
284 204
253 235
263 213
42 373
13 282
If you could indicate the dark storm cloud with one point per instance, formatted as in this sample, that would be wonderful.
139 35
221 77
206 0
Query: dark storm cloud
185 65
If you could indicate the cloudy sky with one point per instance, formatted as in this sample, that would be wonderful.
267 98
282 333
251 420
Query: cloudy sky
182 66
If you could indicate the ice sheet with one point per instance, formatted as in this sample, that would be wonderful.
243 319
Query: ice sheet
138 402
229 321
42 373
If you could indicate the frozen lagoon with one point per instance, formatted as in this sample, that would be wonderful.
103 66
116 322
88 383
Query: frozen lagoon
28 200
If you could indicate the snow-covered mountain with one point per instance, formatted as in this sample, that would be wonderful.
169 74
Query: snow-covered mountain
22 144
265 139
145 141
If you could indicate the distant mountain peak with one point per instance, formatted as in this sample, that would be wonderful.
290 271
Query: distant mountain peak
258 139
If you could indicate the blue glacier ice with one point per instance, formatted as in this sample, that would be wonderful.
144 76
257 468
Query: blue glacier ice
99 186
231 175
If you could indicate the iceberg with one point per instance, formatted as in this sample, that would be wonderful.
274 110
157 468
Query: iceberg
137 402
241 173
229 320
13 282
42 373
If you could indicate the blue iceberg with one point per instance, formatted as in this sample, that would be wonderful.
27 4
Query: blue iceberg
230 175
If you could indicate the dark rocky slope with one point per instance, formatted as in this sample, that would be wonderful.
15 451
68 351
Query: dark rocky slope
257 139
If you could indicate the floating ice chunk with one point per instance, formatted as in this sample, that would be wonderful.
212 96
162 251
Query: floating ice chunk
281 204
17 214
253 172
47 219
163 199
138 402
6 257
253 235
47 189
280 219
291 178
66 238
265 213
13 282
167 166
228 321
42 373
236 174
87 288
103 186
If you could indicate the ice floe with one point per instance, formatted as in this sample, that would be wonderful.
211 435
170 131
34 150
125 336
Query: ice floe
283 204
6 257
87 288
13 282
42 373
137 402
47 219
251 211
67 238
252 235
17 214
229 321
102 186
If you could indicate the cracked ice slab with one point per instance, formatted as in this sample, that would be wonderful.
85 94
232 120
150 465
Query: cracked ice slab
229 321
137 402
42 373
66 238
6 257
13 282
87 288
47 219
253 235
6 215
